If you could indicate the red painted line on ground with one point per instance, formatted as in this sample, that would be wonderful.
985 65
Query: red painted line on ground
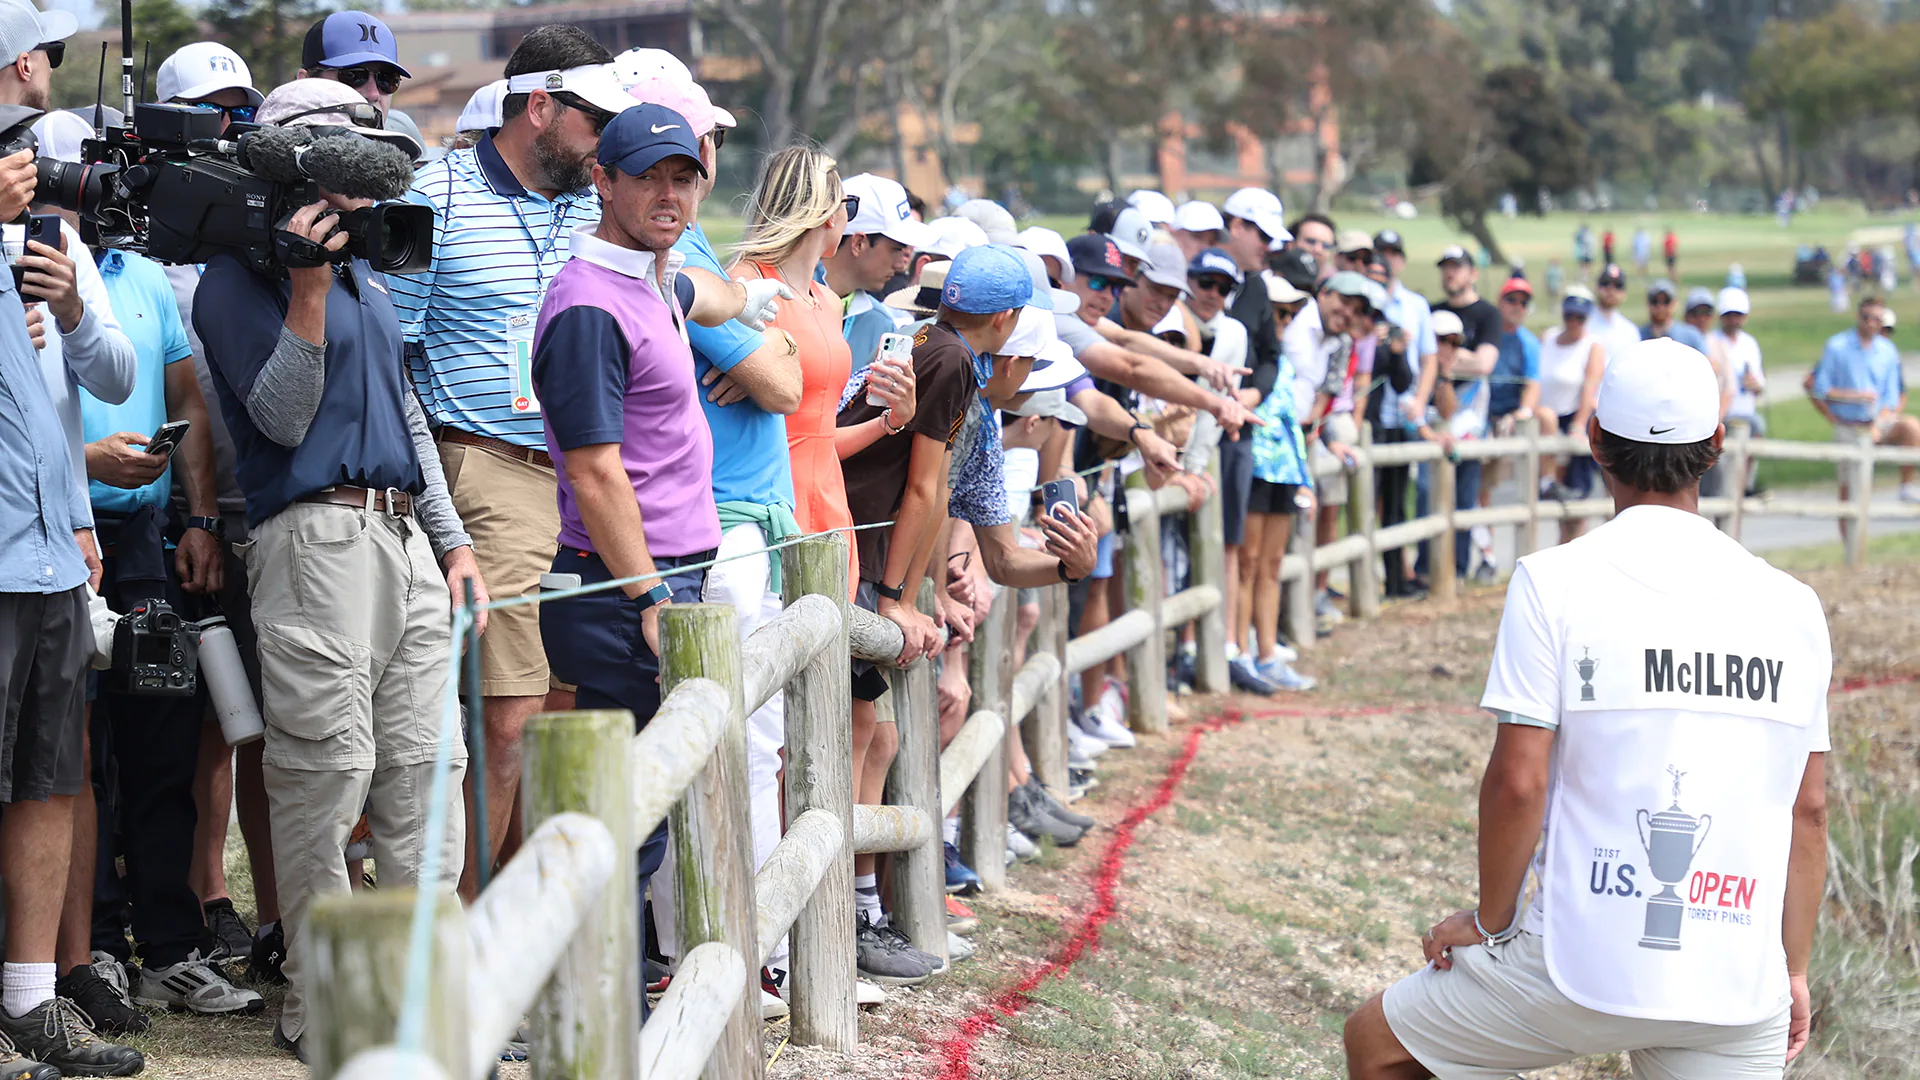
1850 686
956 1054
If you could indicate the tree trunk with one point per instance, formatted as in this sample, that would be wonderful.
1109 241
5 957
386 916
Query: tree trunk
1760 163
1475 225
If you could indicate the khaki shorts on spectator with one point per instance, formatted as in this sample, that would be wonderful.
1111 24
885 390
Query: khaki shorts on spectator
1861 433
1331 489
1497 1013
508 508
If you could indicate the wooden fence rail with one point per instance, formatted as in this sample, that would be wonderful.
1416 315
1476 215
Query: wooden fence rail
554 938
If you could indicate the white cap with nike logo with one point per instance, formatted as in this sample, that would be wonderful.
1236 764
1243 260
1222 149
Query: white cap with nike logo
1660 391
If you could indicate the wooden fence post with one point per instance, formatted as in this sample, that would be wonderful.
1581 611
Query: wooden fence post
1527 540
983 812
820 774
1147 661
1861 490
1739 434
919 875
1207 552
1303 630
1363 586
711 826
586 1022
359 946
1441 567
1045 728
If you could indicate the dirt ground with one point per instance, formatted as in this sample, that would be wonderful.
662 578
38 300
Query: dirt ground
1309 846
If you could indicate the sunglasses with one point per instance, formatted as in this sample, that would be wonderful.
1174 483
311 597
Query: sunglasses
1223 286
1102 284
388 81
239 114
1659 301
56 51
1517 299
1454 340
599 118
851 202
719 136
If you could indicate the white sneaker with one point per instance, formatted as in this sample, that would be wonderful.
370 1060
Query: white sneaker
1283 652
1022 847
958 948
867 993
195 985
1086 744
1910 493
1108 729
1113 697
771 1007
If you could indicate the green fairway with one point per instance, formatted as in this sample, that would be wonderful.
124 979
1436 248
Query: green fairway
1791 322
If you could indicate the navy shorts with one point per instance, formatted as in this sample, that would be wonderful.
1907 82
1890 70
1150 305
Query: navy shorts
1236 486
594 641
1580 467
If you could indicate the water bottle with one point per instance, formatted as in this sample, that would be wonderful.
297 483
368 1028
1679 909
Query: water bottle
226 678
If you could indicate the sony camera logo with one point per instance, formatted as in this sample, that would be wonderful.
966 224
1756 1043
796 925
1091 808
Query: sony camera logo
256 201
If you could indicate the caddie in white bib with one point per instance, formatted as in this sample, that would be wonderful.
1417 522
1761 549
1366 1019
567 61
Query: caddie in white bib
1659 776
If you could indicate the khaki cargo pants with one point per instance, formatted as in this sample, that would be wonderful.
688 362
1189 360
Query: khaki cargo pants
355 631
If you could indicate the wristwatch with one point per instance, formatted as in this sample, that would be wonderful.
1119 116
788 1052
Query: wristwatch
659 594
891 592
1061 569
1138 425
215 525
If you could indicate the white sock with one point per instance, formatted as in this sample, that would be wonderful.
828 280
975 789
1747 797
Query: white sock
24 986
866 898
950 830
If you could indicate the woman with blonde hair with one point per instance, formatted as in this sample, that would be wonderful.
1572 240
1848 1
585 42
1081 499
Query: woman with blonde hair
795 218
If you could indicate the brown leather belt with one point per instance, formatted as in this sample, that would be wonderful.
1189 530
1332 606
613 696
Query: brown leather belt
498 446
391 501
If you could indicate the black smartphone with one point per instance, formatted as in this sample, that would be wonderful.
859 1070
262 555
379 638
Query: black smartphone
44 228
167 439
1057 493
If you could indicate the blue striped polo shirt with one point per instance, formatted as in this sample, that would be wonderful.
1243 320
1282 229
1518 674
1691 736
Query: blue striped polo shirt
468 320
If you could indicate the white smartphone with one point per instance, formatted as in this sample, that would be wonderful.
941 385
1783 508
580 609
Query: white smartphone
895 349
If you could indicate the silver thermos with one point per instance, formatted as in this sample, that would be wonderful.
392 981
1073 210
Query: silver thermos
226 679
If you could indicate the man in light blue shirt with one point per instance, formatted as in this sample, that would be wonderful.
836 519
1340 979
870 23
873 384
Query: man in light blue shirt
1857 385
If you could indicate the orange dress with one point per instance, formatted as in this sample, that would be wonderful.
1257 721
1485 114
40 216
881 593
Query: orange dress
819 487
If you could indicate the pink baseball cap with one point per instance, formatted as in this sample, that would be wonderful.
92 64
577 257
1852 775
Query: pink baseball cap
685 97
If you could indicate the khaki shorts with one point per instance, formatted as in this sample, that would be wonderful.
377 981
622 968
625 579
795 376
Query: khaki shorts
1331 489
1863 433
1497 1013
508 508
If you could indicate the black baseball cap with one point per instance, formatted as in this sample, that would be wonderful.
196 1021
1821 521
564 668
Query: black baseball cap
1612 275
1387 238
1097 255
1104 215
1297 267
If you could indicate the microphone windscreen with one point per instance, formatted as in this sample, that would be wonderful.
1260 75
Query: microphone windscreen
359 168
274 152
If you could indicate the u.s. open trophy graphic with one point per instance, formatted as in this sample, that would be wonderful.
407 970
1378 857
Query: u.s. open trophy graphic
1672 839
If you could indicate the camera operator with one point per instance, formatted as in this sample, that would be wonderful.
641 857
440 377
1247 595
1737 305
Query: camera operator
348 510
149 798
214 77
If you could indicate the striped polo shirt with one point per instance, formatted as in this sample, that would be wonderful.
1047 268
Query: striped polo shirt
468 320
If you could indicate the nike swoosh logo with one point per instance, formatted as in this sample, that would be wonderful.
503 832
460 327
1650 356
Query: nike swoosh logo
658 128
1658 431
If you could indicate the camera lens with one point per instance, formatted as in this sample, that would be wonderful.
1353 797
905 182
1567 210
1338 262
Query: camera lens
71 185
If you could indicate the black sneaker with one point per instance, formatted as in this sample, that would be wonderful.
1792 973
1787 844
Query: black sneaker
17 1066
229 937
889 959
291 1046
106 1003
1053 807
265 954
58 1033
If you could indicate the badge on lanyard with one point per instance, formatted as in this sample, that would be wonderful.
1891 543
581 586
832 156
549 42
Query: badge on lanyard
519 346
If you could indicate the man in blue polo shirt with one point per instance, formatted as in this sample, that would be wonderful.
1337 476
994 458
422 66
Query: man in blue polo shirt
352 532
1856 386
503 211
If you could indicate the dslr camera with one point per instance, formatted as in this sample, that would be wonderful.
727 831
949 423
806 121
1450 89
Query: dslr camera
155 652
171 185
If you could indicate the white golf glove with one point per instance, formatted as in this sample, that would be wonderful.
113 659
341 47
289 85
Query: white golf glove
762 294
103 622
